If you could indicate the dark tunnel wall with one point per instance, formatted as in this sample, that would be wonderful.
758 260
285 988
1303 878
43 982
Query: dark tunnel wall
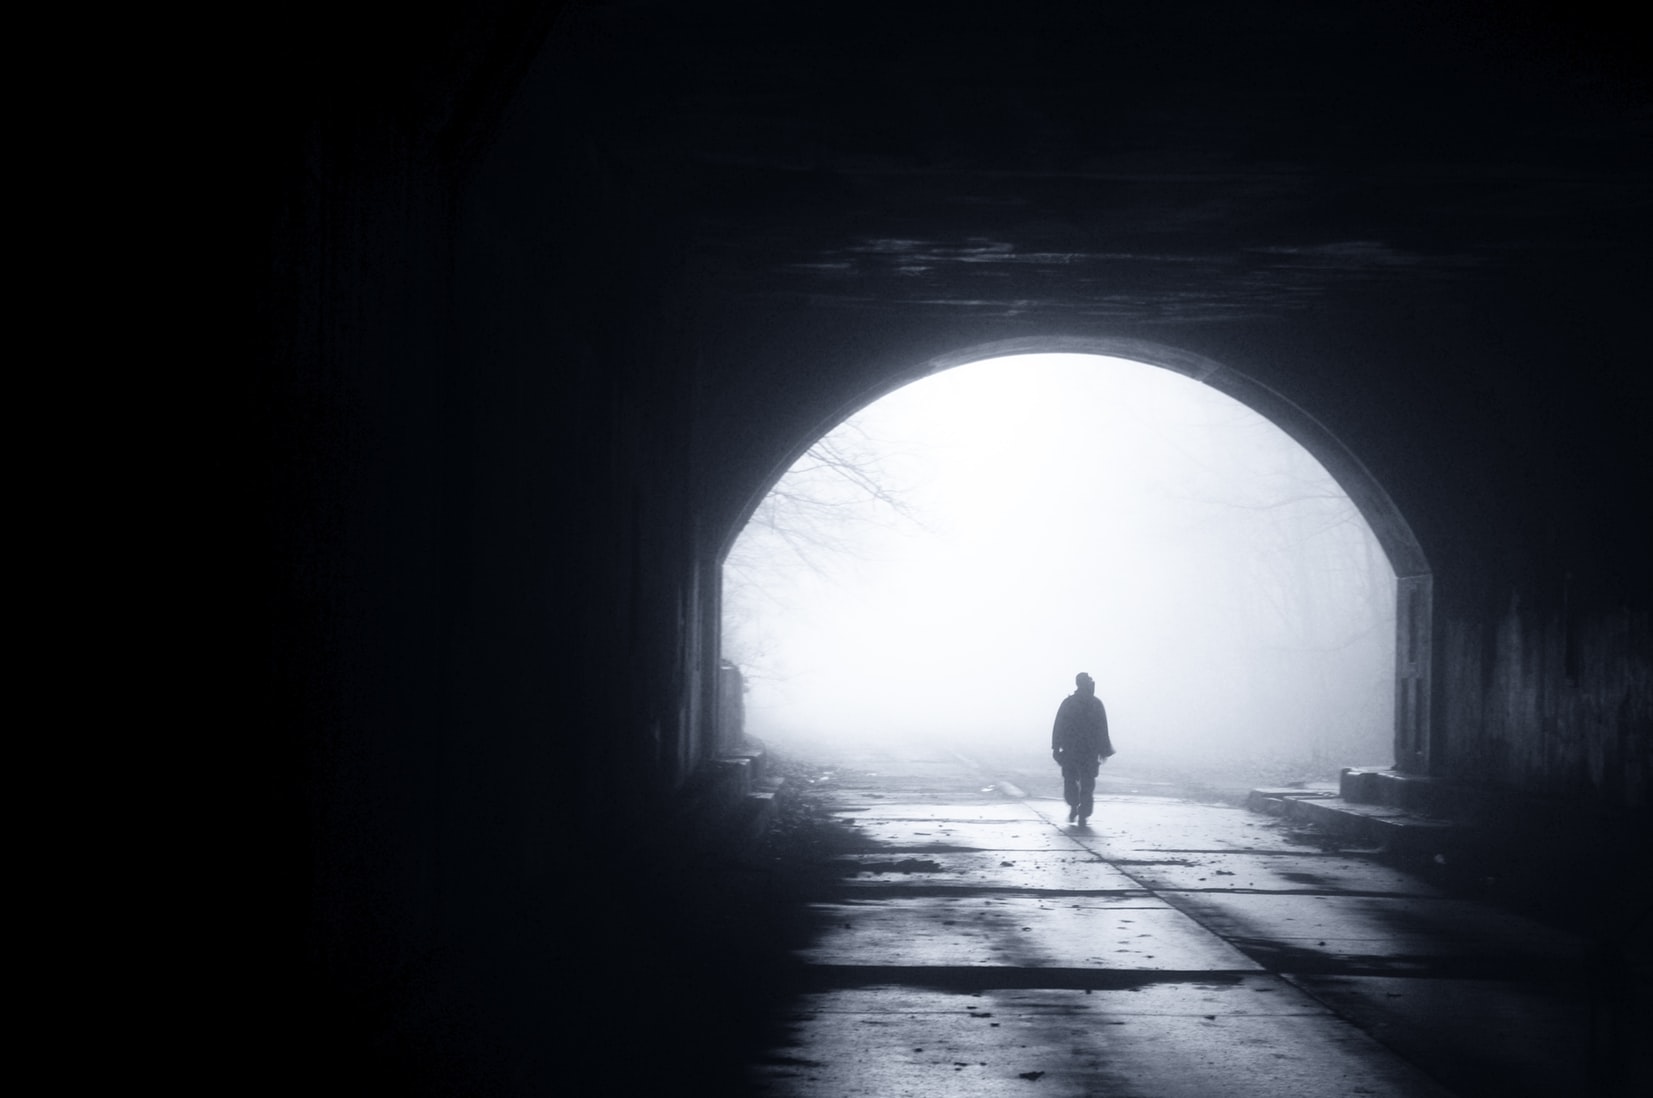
533 342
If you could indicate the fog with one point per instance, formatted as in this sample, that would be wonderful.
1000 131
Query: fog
939 569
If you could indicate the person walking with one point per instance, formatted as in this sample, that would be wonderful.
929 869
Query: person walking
1079 742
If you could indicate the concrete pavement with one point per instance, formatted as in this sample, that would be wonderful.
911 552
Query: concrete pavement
973 942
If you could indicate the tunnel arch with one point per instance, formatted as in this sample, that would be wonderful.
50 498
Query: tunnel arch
1414 748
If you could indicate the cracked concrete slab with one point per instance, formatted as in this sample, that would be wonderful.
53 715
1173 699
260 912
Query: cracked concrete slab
1460 1030
1030 870
1294 871
1315 932
968 834
952 811
1134 932
1184 1040
1173 949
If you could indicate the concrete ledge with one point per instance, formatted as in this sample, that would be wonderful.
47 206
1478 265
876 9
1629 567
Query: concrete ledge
1544 855
1485 807
1413 793
756 814
1275 801
728 804
1386 826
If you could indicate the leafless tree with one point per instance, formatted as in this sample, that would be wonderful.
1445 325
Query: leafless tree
818 513
817 518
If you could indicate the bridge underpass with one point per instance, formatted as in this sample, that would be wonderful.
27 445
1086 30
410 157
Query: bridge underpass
549 293
965 939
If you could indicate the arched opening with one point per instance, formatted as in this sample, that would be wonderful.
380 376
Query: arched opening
1240 581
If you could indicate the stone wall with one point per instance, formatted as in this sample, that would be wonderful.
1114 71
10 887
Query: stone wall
1553 705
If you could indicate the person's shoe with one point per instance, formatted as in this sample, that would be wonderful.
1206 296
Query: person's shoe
1073 814
1082 820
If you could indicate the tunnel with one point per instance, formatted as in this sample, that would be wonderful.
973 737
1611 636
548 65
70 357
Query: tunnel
547 294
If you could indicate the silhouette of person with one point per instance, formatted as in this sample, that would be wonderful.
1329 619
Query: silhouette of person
1079 742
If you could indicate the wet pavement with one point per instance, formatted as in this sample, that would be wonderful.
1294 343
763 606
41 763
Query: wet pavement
971 941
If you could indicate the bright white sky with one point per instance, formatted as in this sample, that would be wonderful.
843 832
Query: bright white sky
1078 513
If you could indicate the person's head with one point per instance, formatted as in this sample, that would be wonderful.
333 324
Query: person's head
1085 683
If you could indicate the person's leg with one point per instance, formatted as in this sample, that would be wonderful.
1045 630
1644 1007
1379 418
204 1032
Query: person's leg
1087 792
1070 788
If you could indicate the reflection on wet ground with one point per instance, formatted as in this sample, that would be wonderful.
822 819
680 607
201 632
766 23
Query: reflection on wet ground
970 941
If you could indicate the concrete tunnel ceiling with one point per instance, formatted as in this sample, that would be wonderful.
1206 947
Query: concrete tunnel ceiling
1229 172
878 187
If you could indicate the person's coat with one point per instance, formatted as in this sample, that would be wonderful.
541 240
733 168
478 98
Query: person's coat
1080 734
